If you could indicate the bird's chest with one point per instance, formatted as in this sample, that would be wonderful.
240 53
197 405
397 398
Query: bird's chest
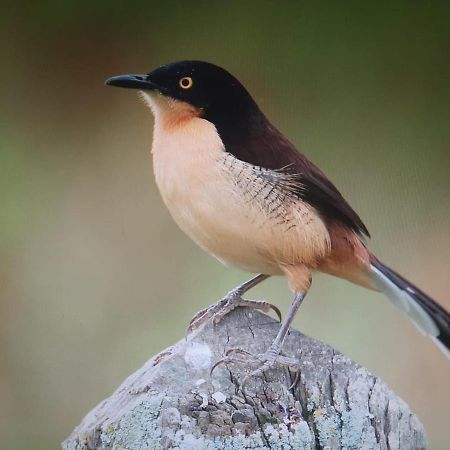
193 185
227 207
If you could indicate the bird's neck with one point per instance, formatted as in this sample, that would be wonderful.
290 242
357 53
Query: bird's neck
237 122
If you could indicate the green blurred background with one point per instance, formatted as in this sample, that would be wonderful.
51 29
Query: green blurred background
96 277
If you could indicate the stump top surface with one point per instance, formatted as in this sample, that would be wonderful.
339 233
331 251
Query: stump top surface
172 402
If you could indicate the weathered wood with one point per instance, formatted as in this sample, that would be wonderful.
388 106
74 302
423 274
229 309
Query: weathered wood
171 402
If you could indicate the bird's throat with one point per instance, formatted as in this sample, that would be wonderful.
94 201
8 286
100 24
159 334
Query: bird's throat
169 112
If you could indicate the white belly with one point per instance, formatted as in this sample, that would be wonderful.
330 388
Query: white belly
204 196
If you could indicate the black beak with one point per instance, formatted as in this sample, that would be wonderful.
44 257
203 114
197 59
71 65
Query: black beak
132 82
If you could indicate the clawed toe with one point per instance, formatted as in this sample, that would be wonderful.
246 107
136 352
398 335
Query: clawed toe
204 315
256 365
237 302
231 301
220 309
228 359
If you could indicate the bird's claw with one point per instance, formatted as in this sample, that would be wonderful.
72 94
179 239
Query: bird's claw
219 310
260 363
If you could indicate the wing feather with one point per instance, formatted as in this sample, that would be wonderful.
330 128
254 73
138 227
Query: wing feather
264 146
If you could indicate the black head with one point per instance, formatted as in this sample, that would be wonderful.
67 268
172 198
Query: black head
221 97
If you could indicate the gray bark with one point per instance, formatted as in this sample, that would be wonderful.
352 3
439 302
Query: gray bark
171 402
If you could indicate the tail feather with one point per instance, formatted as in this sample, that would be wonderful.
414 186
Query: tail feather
429 317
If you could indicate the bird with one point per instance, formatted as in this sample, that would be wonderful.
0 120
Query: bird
248 197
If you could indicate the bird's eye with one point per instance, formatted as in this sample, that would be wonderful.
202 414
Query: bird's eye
185 82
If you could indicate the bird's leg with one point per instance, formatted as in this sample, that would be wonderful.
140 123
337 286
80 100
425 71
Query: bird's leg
266 360
231 301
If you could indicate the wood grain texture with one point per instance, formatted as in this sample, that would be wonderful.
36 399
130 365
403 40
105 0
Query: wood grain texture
171 402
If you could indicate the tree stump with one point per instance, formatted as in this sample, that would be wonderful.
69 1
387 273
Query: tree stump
172 402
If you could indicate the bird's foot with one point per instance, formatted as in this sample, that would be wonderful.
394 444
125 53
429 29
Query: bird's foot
256 365
220 309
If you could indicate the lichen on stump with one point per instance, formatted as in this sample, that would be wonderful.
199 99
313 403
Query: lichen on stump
171 402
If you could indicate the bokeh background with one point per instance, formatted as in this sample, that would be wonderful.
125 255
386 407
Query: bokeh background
94 275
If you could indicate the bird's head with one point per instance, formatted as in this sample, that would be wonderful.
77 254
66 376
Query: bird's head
195 87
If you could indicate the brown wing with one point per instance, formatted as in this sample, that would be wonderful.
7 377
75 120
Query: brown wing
266 147
324 196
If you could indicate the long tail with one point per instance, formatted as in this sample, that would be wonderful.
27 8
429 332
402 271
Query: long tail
426 314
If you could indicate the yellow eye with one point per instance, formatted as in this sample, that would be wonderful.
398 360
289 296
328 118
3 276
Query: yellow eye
185 82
